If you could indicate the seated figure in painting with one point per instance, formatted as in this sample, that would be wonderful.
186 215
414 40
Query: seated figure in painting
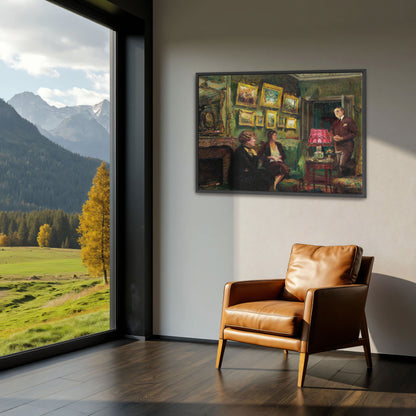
272 157
244 172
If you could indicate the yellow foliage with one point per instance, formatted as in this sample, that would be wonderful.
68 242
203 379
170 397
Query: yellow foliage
4 240
94 225
44 235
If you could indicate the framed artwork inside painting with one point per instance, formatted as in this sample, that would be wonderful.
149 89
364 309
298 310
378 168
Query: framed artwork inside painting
246 118
290 104
271 96
246 95
317 117
291 123
282 122
259 120
271 118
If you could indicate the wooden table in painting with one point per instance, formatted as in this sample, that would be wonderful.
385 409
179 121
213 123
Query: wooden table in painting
312 165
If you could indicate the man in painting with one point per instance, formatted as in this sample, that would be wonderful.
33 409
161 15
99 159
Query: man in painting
244 172
343 132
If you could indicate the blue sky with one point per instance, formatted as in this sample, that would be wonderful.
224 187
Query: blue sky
51 52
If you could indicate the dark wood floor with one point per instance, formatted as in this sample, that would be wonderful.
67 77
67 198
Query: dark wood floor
179 378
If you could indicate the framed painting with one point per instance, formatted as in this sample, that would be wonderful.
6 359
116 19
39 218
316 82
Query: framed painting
291 123
246 95
271 96
290 104
259 120
246 118
271 118
317 117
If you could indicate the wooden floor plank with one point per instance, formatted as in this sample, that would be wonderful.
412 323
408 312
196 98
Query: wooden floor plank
179 378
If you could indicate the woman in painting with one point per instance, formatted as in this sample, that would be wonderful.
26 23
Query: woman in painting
244 172
272 157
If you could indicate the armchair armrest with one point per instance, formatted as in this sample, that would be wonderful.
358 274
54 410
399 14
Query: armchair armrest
251 291
333 317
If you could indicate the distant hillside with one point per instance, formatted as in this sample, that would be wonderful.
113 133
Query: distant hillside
36 173
83 135
102 113
82 129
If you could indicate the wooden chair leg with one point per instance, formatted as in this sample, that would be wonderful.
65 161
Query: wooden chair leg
285 352
366 343
220 353
303 364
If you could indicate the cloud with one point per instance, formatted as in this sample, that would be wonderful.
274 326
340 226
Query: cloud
33 64
100 81
72 96
41 38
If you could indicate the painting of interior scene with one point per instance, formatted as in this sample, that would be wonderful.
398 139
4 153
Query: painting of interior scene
296 133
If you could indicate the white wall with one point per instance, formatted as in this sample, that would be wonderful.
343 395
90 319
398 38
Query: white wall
202 241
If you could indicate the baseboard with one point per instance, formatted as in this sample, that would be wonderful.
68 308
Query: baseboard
183 339
137 337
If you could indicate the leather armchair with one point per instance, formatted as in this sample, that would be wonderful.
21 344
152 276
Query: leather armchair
318 307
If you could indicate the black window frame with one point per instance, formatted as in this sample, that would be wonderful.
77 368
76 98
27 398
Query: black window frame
131 306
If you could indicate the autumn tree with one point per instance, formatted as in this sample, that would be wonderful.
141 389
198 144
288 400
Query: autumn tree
94 225
4 240
22 228
44 235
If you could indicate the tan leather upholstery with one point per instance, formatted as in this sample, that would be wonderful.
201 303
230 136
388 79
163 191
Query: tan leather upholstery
265 340
249 290
318 266
278 317
330 316
340 326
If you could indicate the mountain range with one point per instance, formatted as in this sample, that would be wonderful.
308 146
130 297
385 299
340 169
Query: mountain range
82 129
36 173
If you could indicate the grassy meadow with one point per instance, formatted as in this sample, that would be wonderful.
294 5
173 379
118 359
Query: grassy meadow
46 296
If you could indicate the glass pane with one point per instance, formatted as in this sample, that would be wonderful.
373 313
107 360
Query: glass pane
54 175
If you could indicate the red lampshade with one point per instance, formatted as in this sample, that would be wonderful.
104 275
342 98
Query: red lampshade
319 137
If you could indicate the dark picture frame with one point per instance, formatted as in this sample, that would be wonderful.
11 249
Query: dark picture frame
304 135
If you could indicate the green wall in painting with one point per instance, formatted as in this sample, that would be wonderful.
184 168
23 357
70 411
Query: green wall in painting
289 85
318 94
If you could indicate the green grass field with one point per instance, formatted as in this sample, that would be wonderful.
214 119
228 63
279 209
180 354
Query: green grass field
41 302
35 261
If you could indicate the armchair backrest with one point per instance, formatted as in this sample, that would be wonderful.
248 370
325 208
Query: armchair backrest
313 266
364 273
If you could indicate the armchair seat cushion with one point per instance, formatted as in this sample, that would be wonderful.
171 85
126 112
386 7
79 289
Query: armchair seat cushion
278 317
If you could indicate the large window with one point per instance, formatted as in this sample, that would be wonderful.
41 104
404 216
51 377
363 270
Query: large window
54 176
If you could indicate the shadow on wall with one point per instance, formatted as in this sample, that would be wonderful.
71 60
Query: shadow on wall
391 307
